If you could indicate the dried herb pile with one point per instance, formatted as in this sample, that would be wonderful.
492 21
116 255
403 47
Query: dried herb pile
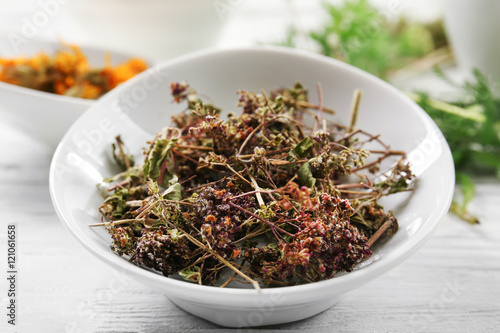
68 73
263 193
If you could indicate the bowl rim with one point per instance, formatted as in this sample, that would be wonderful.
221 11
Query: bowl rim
46 95
356 277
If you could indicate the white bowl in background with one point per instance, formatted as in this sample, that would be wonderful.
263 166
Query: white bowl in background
159 29
472 27
142 106
42 115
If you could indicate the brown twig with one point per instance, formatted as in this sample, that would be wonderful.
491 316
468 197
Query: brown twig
387 224
260 219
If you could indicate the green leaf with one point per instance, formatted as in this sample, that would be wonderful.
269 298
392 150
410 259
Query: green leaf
153 188
273 245
303 148
489 159
467 187
133 172
174 233
305 175
158 154
116 204
468 192
191 274
173 192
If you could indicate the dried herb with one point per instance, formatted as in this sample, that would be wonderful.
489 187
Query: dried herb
262 194
68 73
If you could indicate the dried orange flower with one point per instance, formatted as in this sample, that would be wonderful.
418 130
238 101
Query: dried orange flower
68 72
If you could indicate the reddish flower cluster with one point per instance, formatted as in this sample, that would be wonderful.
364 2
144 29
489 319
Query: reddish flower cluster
161 251
325 243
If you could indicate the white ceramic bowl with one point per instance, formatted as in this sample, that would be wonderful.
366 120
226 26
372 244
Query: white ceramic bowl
140 107
45 116
159 29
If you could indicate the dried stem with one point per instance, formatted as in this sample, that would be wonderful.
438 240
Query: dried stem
119 143
118 222
387 224
320 108
224 261
354 110
315 107
260 219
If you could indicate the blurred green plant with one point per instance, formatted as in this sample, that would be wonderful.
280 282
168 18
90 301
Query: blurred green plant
356 33
472 128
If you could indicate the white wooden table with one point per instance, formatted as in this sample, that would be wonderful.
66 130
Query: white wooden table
451 285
